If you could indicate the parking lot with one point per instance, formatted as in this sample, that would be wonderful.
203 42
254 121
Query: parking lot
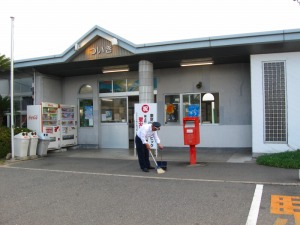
60 189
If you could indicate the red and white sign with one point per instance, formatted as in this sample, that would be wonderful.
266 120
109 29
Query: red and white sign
145 113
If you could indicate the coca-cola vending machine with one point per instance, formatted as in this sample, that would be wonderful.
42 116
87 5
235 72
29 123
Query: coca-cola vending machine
67 117
44 118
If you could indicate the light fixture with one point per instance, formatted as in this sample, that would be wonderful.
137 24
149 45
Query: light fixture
199 85
106 99
197 62
114 41
77 47
115 69
208 97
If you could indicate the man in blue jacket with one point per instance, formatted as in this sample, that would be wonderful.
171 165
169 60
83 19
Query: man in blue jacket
143 147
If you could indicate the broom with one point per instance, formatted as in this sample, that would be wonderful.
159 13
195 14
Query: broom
158 169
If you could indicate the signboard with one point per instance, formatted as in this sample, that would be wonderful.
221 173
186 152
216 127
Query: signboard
145 113
193 110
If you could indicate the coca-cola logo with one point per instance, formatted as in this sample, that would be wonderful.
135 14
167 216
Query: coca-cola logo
35 117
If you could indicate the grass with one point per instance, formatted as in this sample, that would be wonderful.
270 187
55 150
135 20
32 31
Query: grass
288 160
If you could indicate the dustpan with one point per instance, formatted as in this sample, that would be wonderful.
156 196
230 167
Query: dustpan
162 164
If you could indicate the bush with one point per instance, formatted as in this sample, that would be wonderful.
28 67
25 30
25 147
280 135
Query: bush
288 160
5 139
5 143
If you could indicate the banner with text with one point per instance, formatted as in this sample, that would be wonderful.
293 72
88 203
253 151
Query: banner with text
145 113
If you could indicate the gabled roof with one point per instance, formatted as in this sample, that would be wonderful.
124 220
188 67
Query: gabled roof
230 48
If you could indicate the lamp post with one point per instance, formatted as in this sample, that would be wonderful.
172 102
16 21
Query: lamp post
12 89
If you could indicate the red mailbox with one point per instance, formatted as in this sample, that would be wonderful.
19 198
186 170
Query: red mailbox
191 134
191 130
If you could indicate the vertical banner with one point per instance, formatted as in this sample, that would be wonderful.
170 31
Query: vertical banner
145 113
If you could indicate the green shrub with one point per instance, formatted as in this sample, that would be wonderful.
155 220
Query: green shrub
288 160
5 142
5 139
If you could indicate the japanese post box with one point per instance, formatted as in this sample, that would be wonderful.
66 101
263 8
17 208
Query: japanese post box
191 130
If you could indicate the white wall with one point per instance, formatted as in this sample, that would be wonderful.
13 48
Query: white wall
48 89
71 86
211 136
232 82
293 103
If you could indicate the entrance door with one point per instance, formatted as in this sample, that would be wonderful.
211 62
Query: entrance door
114 122
131 101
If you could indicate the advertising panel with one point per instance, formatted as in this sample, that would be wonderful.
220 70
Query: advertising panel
145 113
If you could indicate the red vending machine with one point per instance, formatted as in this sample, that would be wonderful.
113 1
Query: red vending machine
68 118
44 119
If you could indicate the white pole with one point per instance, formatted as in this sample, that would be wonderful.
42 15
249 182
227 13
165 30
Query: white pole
12 89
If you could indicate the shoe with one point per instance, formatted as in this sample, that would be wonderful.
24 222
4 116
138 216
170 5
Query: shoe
145 170
151 168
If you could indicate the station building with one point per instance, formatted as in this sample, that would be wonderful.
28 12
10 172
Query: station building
245 85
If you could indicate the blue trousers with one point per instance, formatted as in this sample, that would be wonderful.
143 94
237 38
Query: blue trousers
143 153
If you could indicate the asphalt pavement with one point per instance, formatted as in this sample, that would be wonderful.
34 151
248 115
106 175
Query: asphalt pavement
92 186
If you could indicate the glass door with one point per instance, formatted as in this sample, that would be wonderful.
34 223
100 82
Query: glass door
114 122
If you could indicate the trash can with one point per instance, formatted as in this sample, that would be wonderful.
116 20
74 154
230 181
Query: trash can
32 144
21 144
43 143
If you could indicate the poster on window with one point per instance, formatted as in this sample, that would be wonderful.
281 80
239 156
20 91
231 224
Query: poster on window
193 110
145 113
88 114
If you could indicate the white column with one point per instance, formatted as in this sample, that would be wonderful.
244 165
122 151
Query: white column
146 82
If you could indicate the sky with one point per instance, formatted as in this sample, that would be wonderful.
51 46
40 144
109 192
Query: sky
49 27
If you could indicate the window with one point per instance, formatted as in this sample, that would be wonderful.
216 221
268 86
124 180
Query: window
191 105
23 85
275 127
210 108
132 85
86 113
119 86
172 104
105 86
86 89
126 85
113 110
203 105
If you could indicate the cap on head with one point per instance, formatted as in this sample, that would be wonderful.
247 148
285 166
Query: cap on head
156 125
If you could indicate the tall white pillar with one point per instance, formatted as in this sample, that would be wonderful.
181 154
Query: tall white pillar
146 82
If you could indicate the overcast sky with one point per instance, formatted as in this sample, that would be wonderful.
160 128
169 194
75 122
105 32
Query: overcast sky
49 27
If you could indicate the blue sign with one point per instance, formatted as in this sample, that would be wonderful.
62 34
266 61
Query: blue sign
193 110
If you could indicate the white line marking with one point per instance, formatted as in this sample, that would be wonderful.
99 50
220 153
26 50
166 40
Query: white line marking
254 210
158 177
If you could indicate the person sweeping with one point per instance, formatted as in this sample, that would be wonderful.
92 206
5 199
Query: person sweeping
143 147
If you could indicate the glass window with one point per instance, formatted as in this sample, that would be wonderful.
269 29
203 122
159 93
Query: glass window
126 85
105 86
155 84
204 105
113 110
191 105
210 108
23 85
86 89
132 85
119 85
172 104
275 124
86 113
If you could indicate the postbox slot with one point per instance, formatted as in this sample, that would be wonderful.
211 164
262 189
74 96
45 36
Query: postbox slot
189 131
190 124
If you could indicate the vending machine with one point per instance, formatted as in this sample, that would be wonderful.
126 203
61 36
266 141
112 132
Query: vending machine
44 118
68 118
